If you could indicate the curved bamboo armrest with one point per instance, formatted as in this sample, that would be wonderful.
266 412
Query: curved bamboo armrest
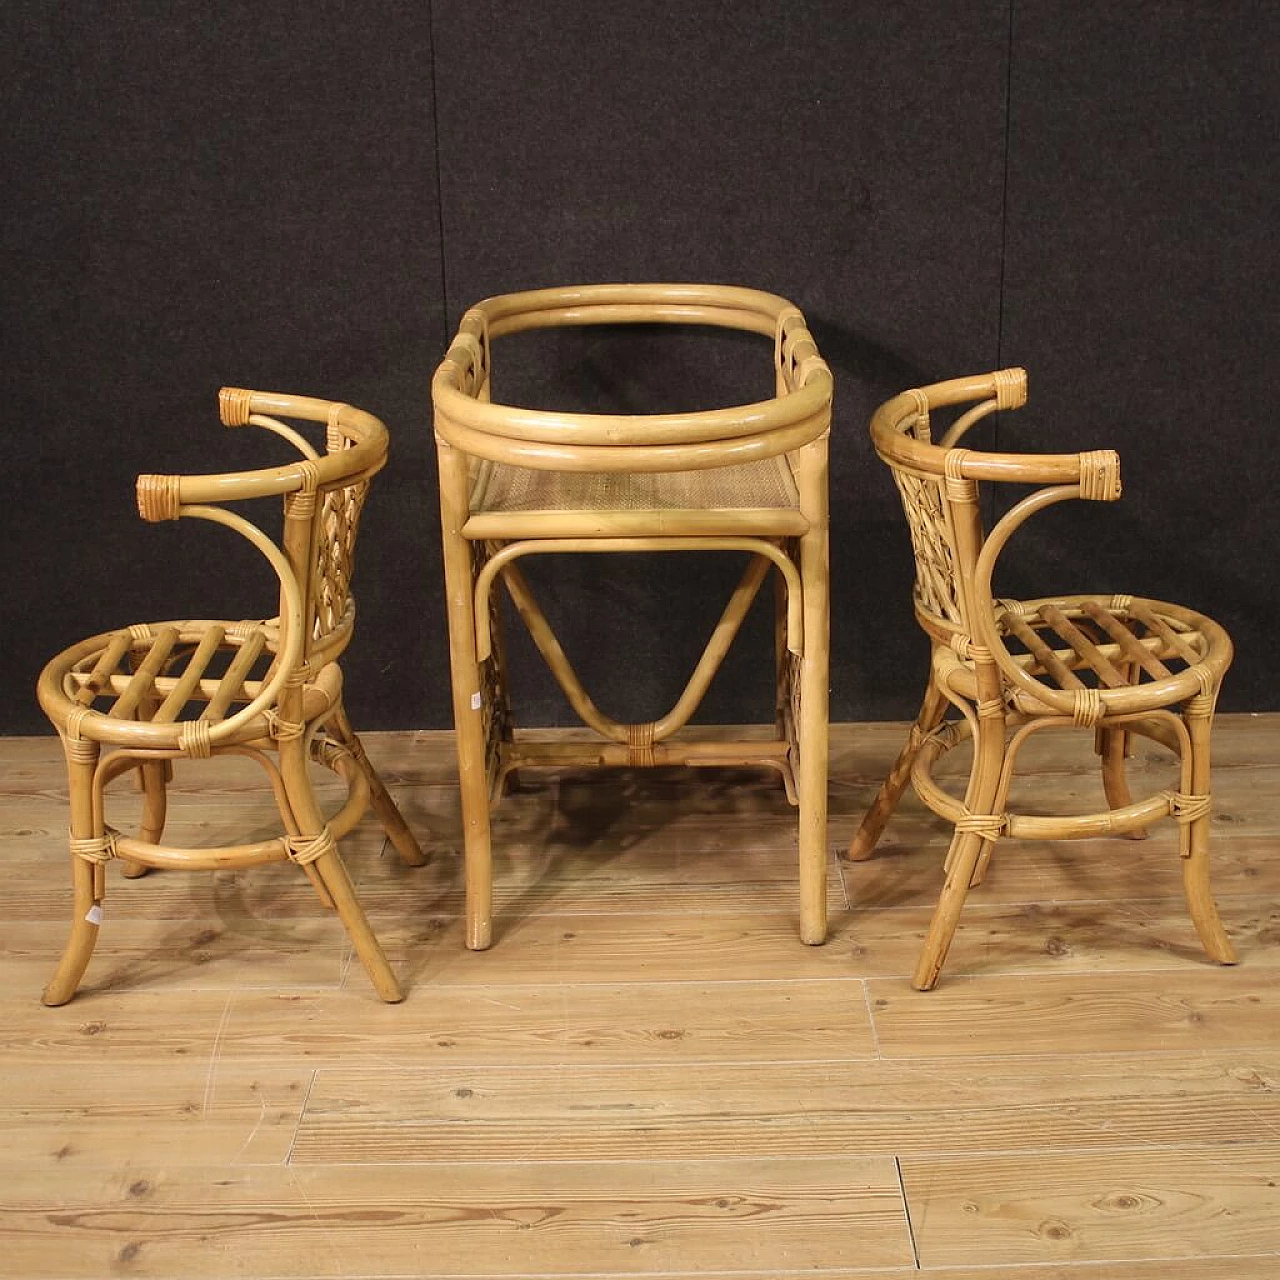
159 496
289 658
1097 472
173 497
1097 479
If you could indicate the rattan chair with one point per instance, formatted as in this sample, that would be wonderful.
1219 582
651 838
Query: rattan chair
520 482
141 697
1113 664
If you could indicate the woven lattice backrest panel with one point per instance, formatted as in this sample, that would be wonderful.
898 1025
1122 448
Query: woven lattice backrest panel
937 590
334 546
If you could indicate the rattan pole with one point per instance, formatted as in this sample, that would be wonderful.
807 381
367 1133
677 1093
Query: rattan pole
86 908
1113 749
813 480
1194 838
932 709
968 854
548 645
466 683
328 866
722 638
393 823
780 523
962 862
152 776
635 457
351 913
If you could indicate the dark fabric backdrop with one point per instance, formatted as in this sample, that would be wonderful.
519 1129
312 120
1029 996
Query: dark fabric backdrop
306 197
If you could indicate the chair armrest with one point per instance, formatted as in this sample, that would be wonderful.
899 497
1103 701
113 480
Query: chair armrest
1097 479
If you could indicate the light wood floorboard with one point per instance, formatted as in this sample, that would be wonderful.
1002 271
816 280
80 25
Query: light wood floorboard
648 1075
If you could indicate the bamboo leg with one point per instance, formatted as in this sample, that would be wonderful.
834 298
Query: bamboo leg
962 862
82 759
352 915
864 841
781 656
1113 748
812 730
467 708
384 806
152 777
1194 840
328 867
968 853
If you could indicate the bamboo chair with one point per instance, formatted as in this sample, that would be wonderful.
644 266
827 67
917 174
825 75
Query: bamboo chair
520 482
268 689
1115 664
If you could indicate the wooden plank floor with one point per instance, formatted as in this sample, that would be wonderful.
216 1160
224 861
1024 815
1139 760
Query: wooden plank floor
648 1075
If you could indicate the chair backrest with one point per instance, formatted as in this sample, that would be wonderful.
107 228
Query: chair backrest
939 493
1173 655
324 495
939 485
467 419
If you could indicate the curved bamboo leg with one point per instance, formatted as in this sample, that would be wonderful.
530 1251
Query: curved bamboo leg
86 878
330 871
967 853
868 834
468 716
782 670
1112 746
1194 841
384 806
152 778
351 913
962 861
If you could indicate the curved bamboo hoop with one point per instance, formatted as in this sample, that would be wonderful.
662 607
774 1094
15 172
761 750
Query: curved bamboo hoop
1005 389
1082 826
632 442
257 852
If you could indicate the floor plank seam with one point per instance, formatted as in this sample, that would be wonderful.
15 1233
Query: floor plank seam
211 1077
871 1021
906 1212
302 1112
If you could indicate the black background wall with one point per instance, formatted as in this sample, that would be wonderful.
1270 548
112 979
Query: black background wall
306 197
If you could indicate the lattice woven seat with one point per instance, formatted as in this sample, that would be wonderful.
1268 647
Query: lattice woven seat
1116 664
269 689
1107 642
516 482
168 673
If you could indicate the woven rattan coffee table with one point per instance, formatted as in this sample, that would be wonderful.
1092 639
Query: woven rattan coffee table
516 482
